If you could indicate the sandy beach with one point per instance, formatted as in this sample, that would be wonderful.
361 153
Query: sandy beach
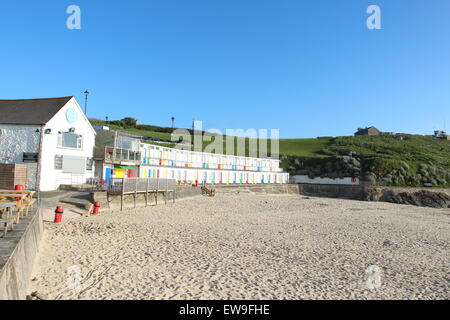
240 246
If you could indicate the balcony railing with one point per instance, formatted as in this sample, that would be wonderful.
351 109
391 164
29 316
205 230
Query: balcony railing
116 154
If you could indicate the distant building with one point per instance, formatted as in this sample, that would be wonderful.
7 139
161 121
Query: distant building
439 134
101 128
123 155
117 154
368 131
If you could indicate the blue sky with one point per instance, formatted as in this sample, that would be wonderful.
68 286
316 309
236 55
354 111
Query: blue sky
309 68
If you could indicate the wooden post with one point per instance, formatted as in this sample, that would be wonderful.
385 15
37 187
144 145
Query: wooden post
91 208
146 193
173 193
123 191
107 200
157 190
135 191
167 191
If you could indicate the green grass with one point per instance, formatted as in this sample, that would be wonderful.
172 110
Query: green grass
313 148
413 148
148 133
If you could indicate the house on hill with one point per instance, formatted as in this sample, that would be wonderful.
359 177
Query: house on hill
368 131
52 137
439 134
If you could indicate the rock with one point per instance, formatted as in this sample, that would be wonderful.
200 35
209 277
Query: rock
372 194
422 198
38 296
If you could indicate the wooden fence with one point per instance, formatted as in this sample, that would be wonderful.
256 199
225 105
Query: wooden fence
146 186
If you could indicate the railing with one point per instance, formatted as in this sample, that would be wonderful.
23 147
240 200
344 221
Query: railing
130 185
135 186
121 154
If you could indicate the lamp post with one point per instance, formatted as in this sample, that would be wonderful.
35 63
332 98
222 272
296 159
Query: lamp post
173 120
86 93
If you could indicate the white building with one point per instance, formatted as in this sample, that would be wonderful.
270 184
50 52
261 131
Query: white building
121 155
200 167
52 136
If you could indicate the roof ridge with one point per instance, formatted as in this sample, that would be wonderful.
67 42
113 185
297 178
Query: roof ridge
33 99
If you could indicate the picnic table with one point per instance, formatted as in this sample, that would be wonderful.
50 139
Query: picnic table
18 200
29 194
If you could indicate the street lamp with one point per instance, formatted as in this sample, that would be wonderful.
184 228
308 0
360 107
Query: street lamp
86 93
173 120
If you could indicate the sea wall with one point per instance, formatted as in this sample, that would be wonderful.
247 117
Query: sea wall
17 253
302 179
353 192
258 188
113 202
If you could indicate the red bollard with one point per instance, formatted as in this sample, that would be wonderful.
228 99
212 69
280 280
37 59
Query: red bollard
58 214
96 208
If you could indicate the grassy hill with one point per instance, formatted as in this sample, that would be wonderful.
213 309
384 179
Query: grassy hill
292 147
401 159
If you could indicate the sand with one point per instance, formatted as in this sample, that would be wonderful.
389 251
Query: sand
238 246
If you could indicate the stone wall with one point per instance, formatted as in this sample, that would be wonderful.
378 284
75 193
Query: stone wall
17 253
183 192
257 188
332 191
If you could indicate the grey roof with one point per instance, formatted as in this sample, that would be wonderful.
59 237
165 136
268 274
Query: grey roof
30 111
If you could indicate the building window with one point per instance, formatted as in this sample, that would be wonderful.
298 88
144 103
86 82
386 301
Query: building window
58 162
70 140
89 164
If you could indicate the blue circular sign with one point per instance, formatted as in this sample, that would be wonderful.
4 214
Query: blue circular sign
71 115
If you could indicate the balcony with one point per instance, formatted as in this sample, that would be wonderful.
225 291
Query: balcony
116 155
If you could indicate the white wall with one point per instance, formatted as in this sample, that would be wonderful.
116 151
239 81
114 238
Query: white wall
50 177
306 179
